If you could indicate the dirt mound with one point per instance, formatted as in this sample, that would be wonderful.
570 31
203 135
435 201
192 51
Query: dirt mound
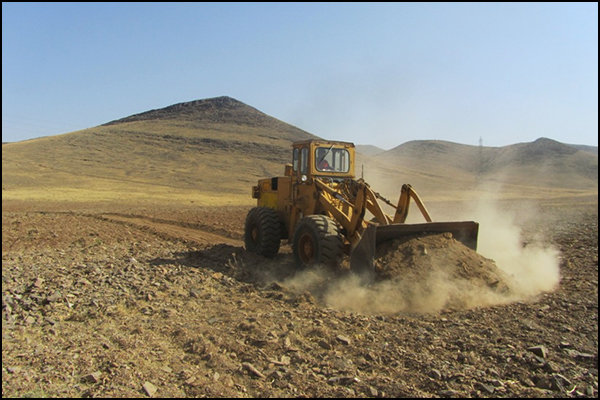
416 256
439 267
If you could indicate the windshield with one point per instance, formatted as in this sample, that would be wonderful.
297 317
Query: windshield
330 159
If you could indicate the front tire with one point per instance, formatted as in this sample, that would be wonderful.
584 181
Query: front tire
317 240
262 231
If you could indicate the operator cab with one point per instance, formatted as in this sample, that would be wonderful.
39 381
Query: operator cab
319 158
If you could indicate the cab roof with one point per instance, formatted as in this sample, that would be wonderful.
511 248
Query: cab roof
324 142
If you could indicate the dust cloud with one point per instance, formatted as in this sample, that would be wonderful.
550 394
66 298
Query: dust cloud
531 268
438 281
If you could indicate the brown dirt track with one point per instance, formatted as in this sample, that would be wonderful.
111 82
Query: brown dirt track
165 302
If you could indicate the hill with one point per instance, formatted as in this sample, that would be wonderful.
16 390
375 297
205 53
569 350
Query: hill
522 169
217 147
589 149
369 150
213 150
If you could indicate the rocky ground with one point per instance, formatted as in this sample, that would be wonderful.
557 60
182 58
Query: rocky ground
166 303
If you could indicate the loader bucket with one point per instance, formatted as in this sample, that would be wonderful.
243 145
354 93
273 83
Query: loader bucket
363 254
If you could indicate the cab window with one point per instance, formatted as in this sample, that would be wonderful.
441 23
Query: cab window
295 160
304 161
330 159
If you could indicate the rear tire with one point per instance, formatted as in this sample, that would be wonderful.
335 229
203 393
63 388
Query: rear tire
317 240
262 231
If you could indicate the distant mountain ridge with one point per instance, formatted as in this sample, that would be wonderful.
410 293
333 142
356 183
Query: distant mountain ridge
543 162
217 109
221 146
589 149
369 150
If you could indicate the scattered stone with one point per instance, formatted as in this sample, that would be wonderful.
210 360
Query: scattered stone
54 297
488 389
550 366
539 351
343 339
372 391
542 381
560 382
343 380
585 356
190 380
252 369
13 370
285 360
497 383
83 281
579 355
435 374
448 393
166 369
94 377
149 388
531 325
527 382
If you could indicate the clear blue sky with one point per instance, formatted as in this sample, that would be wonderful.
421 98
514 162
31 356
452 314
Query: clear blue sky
380 74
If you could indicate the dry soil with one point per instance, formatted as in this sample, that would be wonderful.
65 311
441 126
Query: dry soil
102 301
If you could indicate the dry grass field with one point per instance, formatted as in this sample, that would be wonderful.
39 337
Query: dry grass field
124 272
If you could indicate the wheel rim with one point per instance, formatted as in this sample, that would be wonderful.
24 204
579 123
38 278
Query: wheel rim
306 248
254 234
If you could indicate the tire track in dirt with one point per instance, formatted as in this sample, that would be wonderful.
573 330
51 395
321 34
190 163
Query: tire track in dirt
173 230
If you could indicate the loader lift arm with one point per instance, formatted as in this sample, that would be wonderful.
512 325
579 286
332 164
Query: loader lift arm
349 213
364 237
406 193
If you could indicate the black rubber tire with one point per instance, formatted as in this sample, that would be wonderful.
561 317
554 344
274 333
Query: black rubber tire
317 241
262 231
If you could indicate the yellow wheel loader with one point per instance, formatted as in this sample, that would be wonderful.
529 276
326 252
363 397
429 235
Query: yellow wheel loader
320 208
